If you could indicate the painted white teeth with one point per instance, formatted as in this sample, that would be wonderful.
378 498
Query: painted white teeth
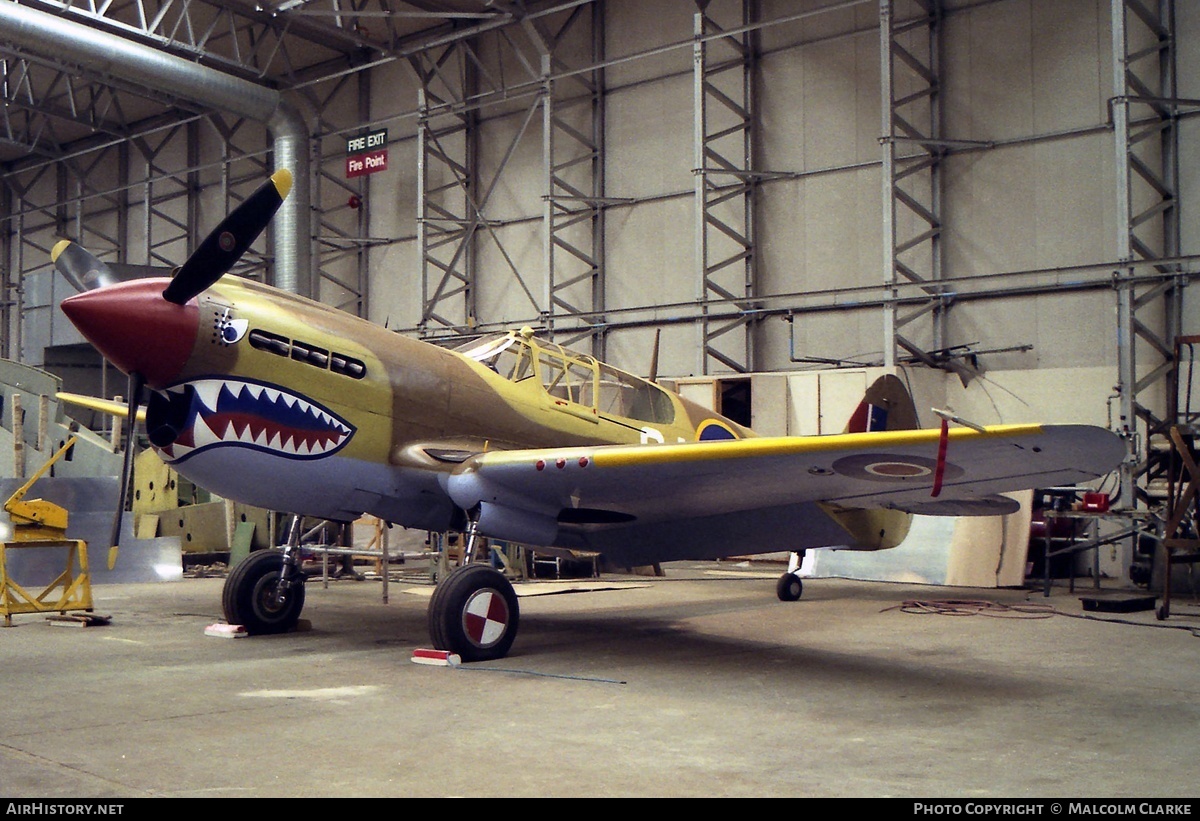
204 435
208 393
208 390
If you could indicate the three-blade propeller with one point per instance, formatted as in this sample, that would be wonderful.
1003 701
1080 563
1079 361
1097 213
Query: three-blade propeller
211 260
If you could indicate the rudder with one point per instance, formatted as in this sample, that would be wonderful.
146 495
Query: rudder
886 405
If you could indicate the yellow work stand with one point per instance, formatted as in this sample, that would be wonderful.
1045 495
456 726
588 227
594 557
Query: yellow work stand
72 590
38 523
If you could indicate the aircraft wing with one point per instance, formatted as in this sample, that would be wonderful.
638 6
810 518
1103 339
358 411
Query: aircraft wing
776 482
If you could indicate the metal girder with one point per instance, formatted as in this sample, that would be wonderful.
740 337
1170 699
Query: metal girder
1145 112
49 110
911 171
724 73
250 40
914 148
453 201
446 216
8 283
341 208
573 195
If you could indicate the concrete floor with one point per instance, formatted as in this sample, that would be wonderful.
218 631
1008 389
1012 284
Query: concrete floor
701 683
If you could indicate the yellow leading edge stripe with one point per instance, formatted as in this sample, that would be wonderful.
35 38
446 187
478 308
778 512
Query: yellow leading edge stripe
625 455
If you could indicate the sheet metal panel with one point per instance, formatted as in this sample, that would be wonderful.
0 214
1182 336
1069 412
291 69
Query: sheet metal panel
91 505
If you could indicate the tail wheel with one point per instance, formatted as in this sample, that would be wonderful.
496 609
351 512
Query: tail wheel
789 587
250 595
474 614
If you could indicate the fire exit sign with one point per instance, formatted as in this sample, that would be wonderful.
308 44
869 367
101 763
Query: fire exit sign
366 153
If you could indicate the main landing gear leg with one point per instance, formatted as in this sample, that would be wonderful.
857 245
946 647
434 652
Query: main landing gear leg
790 587
265 592
474 612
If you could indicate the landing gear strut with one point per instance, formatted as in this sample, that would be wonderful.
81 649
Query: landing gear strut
265 591
474 611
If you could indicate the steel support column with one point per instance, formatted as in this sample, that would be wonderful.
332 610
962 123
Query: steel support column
447 162
913 149
1145 111
9 318
573 196
342 207
724 71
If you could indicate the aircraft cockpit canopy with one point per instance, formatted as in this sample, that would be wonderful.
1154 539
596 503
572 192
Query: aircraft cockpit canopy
571 376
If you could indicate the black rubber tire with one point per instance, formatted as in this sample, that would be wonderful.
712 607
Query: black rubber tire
789 587
247 597
436 634
456 614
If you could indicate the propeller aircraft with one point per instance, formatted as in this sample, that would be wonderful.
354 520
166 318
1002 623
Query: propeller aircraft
284 403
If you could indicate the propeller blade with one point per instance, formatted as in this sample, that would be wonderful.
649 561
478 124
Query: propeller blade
135 391
221 249
83 270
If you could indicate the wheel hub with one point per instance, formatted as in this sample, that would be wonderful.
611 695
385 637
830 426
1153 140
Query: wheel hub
485 618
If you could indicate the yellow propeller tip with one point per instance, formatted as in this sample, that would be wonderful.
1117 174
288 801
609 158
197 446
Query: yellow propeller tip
283 181
58 248
112 557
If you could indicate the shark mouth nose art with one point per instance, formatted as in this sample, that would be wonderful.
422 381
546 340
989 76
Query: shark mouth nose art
208 413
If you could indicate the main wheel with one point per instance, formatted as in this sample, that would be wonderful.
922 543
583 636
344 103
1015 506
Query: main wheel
249 597
789 587
474 614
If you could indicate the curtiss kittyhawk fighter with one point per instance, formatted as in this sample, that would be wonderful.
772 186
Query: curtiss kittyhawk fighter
284 403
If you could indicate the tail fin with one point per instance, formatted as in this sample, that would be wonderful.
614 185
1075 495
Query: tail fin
887 405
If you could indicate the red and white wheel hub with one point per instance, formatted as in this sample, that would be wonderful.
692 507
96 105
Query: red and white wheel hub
485 617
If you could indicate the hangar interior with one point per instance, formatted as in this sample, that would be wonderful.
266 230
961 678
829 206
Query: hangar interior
763 201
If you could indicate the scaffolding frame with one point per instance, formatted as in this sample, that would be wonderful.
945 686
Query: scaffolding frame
914 149
725 77
448 212
1145 110
573 182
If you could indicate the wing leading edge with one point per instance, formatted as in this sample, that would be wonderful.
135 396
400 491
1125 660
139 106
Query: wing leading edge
781 488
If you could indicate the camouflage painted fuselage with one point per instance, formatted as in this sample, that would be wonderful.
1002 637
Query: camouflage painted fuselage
293 405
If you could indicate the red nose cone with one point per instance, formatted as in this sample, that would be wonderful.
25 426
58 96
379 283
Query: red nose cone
136 329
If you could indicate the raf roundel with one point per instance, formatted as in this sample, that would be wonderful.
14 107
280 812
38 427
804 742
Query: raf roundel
882 467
